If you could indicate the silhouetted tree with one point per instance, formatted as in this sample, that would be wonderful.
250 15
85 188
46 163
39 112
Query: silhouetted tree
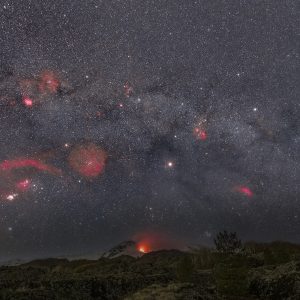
227 242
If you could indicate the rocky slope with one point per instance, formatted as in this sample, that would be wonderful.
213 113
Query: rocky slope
125 248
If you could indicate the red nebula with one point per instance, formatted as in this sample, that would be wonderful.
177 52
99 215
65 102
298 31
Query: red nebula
23 185
48 83
27 101
34 89
88 160
9 165
128 89
246 191
200 133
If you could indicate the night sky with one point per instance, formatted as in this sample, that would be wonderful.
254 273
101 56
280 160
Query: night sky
157 121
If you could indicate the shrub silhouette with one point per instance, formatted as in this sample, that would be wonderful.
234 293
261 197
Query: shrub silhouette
228 242
185 269
204 258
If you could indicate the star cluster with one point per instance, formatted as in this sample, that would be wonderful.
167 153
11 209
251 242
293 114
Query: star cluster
120 118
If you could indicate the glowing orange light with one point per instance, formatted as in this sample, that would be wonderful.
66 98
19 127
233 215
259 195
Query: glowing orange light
143 249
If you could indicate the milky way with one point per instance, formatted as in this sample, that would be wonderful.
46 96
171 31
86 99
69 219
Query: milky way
122 119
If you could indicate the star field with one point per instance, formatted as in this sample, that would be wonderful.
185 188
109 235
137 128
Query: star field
161 120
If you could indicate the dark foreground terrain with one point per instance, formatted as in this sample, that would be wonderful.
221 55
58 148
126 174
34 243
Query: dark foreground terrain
259 271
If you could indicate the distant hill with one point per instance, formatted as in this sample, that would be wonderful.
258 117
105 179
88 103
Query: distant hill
14 262
124 248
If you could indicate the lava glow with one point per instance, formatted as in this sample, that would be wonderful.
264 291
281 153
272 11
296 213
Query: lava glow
244 190
9 165
143 249
148 241
88 161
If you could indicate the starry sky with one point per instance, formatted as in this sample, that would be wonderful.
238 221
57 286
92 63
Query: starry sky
164 121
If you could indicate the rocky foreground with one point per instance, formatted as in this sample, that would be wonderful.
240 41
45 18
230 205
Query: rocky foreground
260 271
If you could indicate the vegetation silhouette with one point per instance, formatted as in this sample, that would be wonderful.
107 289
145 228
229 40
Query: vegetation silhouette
230 270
